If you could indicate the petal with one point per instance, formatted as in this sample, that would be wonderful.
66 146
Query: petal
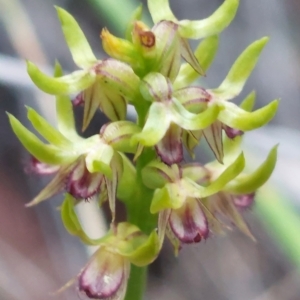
170 149
167 48
151 133
64 112
189 56
189 223
243 201
156 174
81 51
194 190
249 183
105 276
173 239
82 184
214 24
69 84
190 139
112 183
52 135
205 54
44 153
163 220
248 103
224 205
160 10
240 71
190 121
56 185
235 117
213 136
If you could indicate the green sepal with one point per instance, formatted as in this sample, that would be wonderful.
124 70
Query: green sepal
248 183
141 250
240 71
99 160
48 132
64 111
235 117
118 135
249 102
172 195
205 53
160 10
45 153
136 15
72 224
212 25
156 174
151 133
81 51
231 172
69 84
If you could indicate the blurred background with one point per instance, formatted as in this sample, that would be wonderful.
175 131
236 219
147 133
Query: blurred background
37 256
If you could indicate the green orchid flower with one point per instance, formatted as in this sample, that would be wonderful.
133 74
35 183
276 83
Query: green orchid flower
232 119
105 84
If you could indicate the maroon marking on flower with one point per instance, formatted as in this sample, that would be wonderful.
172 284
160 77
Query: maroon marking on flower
243 201
82 184
78 100
189 223
232 132
37 167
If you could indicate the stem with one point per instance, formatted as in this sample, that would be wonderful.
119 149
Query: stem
138 210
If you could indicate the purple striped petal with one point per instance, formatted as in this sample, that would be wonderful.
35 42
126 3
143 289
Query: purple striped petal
82 184
170 149
105 276
189 223
37 167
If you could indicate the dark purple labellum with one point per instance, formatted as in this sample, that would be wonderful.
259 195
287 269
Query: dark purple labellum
170 148
82 184
189 223
243 201
232 132
105 277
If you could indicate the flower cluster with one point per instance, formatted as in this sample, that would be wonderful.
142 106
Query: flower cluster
164 195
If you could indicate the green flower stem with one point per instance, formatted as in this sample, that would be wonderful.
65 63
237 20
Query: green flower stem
281 220
138 211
